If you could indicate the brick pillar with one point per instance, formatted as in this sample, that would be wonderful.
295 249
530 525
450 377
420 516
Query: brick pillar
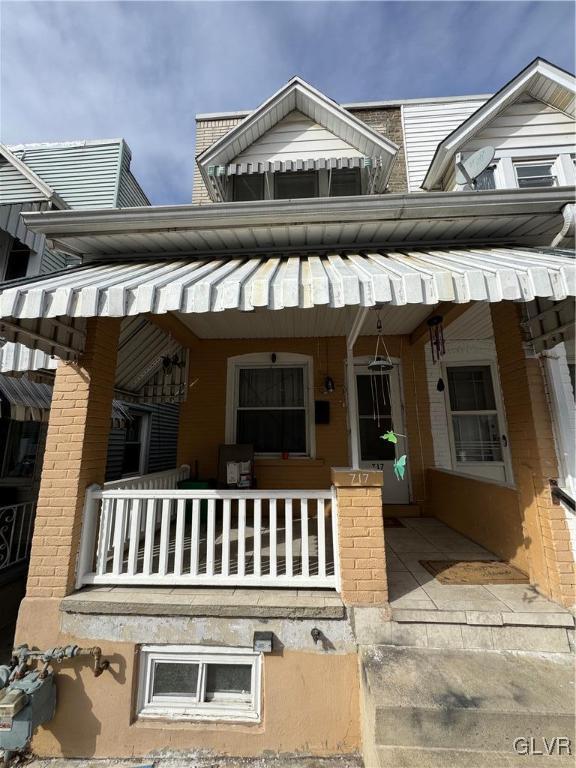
533 456
361 537
75 457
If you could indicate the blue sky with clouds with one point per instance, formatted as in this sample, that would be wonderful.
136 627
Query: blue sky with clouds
141 70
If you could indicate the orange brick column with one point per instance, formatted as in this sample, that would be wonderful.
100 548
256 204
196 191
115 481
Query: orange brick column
361 537
75 457
534 460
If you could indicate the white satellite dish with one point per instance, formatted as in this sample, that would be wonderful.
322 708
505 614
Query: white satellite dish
467 171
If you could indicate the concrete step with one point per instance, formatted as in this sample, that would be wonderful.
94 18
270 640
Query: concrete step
401 510
465 708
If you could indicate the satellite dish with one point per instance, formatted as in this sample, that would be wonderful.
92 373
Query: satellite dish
467 171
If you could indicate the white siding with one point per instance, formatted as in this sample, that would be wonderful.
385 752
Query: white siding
425 126
296 137
15 187
527 127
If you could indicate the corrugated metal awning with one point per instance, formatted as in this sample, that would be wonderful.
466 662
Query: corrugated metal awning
283 166
25 400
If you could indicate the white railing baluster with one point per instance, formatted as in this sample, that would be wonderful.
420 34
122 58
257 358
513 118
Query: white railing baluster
304 536
164 538
321 538
91 526
335 549
104 538
257 537
179 544
241 537
119 528
288 537
134 541
195 539
149 536
272 527
210 537
226 538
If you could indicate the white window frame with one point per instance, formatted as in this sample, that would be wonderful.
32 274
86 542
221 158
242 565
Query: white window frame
224 707
461 466
145 428
551 161
264 360
556 362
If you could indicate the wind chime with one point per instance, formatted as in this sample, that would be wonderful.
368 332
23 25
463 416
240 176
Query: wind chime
437 344
379 368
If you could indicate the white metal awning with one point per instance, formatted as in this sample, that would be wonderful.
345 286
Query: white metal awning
54 306
283 166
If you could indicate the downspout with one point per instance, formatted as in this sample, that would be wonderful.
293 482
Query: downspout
351 397
565 238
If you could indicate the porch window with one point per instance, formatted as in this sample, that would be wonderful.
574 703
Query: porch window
535 174
18 447
248 187
345 181
271 409
474 415
194 683
135 444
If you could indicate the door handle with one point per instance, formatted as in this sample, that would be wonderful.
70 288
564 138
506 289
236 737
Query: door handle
504 441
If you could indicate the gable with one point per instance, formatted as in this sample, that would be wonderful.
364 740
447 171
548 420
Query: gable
296 137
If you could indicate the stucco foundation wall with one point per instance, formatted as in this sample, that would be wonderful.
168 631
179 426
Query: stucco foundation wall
486 512
310 703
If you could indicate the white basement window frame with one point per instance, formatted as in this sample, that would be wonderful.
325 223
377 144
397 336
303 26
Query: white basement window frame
201 703
271 360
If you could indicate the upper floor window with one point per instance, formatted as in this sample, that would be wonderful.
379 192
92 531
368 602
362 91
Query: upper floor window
248 187
344 181
16 264
535 174
295 184
486 179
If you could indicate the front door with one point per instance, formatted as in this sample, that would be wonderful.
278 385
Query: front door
380 411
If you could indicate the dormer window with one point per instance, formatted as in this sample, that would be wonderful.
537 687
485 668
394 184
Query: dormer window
344 181
248 187
535 174
293 185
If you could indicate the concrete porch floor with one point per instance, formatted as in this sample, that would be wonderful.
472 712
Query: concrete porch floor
413 588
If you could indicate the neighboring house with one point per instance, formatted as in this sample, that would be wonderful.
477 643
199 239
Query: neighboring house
60 176
330 284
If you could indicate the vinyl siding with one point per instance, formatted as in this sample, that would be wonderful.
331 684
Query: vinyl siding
52 261
14 187
296 137
425 126
130 193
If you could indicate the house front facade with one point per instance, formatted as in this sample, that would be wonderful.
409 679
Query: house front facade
366 334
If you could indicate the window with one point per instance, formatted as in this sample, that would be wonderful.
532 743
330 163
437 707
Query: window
271 409
197 683
474 416
295 184
486 179
17 261
535 174
18 447
135 444
344 181
248 187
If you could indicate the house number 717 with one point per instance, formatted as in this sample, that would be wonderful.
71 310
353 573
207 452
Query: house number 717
359 478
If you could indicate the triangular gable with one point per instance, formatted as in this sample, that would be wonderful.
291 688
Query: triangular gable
19 183
297 95
540 80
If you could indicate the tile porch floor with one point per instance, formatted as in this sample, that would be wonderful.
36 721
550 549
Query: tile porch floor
412 587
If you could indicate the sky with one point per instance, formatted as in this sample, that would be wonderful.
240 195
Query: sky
142 70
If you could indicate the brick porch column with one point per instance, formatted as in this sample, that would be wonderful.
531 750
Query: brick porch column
75 457
361 537
533 456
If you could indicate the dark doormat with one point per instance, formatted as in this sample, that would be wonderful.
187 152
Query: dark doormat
393 522
474 572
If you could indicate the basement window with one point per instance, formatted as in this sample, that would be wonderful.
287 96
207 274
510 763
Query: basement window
194 683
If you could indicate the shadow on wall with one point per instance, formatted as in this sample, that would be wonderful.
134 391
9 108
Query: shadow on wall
485 512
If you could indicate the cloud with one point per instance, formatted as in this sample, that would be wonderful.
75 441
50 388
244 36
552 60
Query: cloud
142 70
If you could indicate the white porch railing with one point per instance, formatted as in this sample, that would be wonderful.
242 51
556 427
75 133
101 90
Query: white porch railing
16 526
166 480
212 538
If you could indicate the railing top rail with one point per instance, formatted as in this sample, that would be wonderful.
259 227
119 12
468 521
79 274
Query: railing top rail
128 493
126 482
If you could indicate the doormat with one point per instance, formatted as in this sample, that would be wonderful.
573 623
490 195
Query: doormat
474 572
393 522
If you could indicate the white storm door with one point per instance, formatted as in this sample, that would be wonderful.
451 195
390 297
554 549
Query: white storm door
379 411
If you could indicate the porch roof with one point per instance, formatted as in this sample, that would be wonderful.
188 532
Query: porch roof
48 312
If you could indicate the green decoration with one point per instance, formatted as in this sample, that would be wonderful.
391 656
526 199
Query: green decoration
390 436
400 467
